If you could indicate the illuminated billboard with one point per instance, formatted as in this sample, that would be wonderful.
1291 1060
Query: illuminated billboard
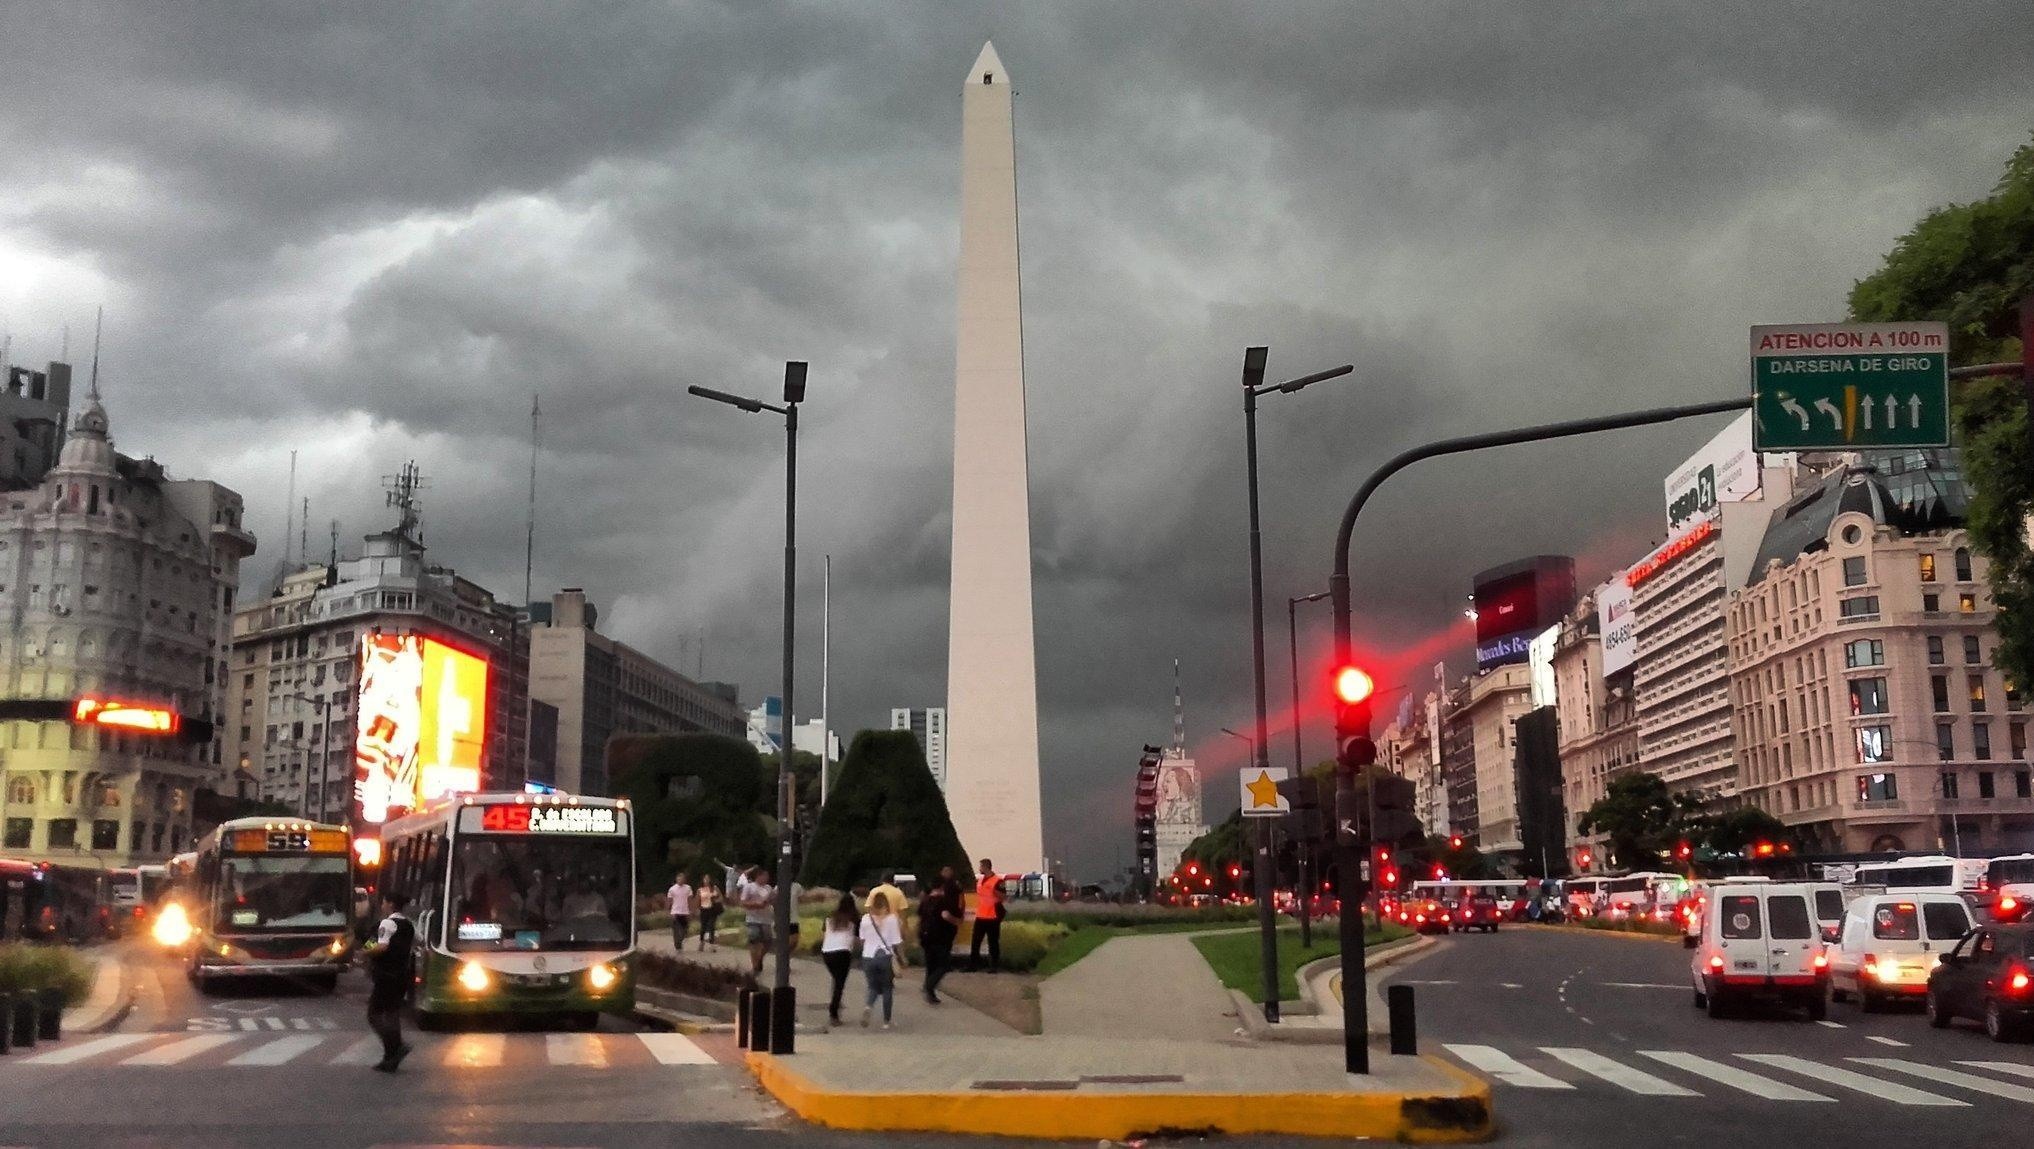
422 725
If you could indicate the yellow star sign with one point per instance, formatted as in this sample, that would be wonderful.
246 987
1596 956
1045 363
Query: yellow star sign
1263 791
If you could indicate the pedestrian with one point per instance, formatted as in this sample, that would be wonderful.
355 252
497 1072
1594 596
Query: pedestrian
882 939
888 888
758 898
710 907
389 973
680 895
939 921
837 950
988 920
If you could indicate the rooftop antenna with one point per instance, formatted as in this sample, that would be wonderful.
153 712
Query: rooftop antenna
402 490
530 528
289 504
332 567
98 325
1178 715
304 534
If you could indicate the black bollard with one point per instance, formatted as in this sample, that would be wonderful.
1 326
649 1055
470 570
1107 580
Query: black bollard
1405 1037
761 1008
6 1021
50 1003
784 1020
21 1020
742 1017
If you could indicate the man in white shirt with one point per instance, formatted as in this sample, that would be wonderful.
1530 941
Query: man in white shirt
680 894
758 897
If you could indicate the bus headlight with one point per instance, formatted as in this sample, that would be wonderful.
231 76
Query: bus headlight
172 926
474 977
600 977
337 947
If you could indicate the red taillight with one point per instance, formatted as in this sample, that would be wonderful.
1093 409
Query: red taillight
1870 968
1420 918
1716 961
2008 903
1821 961
137 911
2018 982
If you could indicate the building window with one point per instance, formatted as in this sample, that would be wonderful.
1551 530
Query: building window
1938 685
1877 788
1867 696
1977 694
1966 603
2016 740
1864 652
63 833
1874 743
1866 606
1928 567
1963 564
2023 783
105 834
1945 741
20 792
1981 742
1972 652
1935 655
1854 571
1931 604
1949 784
1985 787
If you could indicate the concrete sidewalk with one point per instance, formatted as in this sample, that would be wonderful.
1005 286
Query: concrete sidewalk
111 997
1152 985
1094 1087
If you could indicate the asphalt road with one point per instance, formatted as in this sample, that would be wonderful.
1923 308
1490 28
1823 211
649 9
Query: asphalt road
1593 1040
272 1064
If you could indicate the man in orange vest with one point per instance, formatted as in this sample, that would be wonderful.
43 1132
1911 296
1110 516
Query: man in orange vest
988 920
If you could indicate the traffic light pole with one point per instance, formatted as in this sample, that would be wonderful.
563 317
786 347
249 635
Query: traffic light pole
1260 755
1351 854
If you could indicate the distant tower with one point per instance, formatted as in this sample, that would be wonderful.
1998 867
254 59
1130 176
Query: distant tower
992 674
1180 811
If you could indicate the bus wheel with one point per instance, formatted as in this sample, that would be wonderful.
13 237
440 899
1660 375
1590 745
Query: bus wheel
430 1022
326 983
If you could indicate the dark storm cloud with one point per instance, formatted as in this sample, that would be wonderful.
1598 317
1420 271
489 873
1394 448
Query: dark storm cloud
370 233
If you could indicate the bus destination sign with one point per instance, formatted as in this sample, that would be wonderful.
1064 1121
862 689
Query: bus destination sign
520 819
284 841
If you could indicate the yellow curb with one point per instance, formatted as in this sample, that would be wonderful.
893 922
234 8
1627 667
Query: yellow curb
1421 1118
1613 933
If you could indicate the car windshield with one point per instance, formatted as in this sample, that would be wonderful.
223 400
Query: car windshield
530 893
283 893
1896 922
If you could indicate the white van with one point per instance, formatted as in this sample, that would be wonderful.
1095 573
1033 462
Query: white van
1890 943
1760 940
1826 896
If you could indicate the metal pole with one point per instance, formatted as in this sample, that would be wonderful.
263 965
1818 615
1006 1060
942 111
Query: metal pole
1253 373
1299 770
825 677
786 808
324 760
1349 853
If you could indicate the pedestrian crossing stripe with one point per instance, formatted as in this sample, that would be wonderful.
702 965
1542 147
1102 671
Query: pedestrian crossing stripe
460 1052
1893 1087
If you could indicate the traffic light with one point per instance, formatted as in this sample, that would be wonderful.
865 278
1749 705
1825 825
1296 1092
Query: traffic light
1391 800
1683 851
1235 871
1353 687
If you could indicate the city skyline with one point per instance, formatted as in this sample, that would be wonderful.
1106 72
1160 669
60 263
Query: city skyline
397 278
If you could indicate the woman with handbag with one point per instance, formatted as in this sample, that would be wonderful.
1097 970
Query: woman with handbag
837 950
882 938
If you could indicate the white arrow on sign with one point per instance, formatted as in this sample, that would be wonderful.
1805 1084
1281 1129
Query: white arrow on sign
1914 409
1867 413
1796 410
1829 409
1892 413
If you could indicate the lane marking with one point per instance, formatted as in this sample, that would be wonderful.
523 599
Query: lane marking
674 1049
1884 1041
365 1051
184 1050
279 1051
1956 1077
1641 985
1832 1025
2012 1067
92 1048
1891 1091
1618 1073
1511 985
1732 1076
476 1050
575 1049
1502 1067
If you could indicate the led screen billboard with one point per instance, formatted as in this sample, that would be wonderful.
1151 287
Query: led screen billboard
422 724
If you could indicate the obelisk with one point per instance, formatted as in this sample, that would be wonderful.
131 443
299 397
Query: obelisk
992 670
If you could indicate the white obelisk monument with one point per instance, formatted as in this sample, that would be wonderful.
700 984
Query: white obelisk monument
992 671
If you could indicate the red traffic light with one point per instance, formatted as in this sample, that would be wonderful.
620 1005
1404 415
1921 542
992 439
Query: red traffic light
1391 877
1763 849
1353 684
1440 873
1684 851
1193 869
1454 841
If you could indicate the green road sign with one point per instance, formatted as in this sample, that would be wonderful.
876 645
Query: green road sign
1850 386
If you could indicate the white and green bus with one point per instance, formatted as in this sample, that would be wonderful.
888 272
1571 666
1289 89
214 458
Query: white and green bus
524 903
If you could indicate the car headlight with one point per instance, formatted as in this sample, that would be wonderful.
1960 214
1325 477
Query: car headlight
600 977
474 977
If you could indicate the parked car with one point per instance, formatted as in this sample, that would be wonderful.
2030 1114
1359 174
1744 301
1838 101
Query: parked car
1989 976
1759 941
1889 943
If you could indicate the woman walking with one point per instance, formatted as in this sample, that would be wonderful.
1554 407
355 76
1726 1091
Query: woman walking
709 911
882 938
837 950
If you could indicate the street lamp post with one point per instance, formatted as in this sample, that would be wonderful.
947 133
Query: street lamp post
783 999
1253 386
1299 764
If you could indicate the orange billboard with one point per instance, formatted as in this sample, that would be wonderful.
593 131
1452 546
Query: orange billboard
422 725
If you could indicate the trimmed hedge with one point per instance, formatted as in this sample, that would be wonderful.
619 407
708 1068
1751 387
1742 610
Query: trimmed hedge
31 968
701 979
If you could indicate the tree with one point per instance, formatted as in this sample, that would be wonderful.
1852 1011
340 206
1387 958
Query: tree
1970 265
1216 849
1738 830
695 798
885 813
1642 818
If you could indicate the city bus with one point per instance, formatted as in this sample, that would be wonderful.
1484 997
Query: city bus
2009 883
1650 893
135 892
270 897
1585 895
55 902
523 903
1929 872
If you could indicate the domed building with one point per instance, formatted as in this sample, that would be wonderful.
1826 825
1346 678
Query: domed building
118 583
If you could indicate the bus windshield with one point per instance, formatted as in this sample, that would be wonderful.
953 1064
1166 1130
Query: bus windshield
283 893
2006 870
531 893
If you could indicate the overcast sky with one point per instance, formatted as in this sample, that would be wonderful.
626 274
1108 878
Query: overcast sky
369 233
